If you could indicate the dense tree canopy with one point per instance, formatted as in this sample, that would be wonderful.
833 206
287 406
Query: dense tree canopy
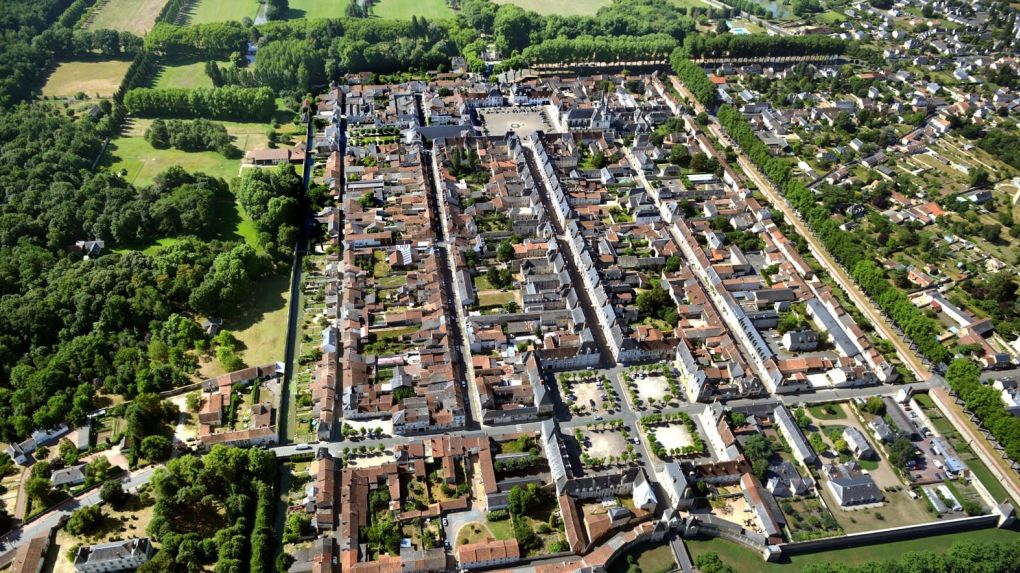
230 102
214 509
121 323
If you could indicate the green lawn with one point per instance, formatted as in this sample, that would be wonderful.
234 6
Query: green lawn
144 162
743 560
404 9
649 560
312 9
206 11
819 412
100 77
135 16
688 3
262 326
188 76
482 283
544 7
495 298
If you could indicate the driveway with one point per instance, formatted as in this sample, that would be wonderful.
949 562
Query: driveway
459 519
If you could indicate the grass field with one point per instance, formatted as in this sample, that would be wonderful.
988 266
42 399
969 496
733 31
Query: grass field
312 9
743 560
135 16
262 326
544 7
404 9
144 162
102 78
649 560
206 11
188 76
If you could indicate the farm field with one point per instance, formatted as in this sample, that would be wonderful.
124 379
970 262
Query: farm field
206 11
135 16
579 8
743 560
404 9
100 77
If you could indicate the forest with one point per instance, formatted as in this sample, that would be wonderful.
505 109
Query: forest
217 508
71 327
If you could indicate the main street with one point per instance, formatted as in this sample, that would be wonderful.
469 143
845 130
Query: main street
835 270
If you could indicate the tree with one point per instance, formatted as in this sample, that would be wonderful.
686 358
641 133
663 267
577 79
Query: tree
158 135
504 251
277 9
39 489
113 493
99 470
84 521
875 405
523 498
979 178
901 451
711 563
156 448
68 452
757 447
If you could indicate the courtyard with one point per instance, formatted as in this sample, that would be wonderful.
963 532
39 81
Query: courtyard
521 120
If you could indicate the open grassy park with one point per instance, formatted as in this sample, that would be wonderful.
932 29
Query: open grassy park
92 78
312 9
205 11
578 8
135 16
189 76
743 560
404 9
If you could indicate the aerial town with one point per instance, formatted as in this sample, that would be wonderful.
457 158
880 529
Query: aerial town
329 286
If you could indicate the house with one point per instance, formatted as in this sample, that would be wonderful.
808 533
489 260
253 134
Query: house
488 553
72 476
800 340
115 556
791 431
851 487
857 443
882 430
785 481
265 157
31 556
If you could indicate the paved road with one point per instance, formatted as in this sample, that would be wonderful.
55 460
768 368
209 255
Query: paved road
42 525
1007 478
463 346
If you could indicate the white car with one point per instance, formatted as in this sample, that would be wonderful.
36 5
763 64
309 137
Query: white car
302 447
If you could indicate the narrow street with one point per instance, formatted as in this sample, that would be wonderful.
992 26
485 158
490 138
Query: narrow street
591 315
458 327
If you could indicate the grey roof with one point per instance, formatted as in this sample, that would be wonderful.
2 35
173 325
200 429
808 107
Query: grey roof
115 551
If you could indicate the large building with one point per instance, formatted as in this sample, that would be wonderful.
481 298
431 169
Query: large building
128 554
